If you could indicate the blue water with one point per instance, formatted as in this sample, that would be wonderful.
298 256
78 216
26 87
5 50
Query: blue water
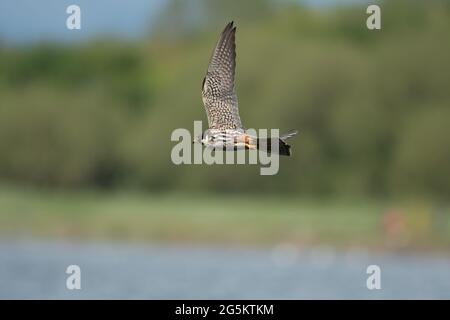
33 270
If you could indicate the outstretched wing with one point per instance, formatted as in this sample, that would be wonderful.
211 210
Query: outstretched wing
218 94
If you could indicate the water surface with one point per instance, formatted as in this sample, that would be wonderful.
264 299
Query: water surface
36 270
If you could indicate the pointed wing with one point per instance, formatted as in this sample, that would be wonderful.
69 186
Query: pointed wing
218 94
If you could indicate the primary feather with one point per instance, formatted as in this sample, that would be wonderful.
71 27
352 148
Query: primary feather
218 92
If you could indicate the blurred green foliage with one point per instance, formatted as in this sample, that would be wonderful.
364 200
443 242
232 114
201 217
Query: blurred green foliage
252 220
372 107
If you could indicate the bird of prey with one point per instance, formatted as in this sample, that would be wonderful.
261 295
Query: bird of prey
226 131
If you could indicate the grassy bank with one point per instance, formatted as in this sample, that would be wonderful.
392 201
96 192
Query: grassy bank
227 220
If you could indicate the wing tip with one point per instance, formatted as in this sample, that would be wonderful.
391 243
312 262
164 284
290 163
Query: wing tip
229 27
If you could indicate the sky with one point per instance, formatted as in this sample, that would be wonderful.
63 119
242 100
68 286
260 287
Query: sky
25 21
31 21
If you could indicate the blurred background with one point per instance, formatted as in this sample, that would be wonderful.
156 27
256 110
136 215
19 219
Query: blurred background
86 176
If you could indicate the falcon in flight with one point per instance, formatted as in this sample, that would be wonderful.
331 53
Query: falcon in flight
225 130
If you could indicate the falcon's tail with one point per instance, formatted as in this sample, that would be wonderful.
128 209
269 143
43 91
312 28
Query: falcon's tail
283 148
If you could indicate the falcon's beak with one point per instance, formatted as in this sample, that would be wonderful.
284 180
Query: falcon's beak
197 140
